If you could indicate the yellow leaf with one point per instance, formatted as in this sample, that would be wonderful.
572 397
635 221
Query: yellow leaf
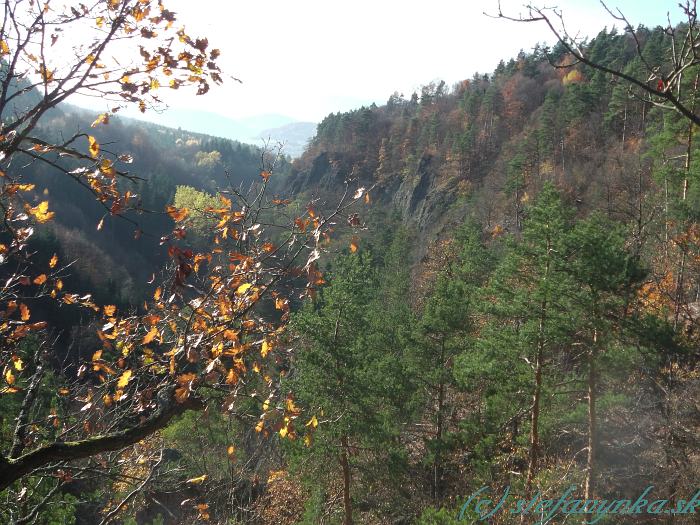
124 379
93 146
107 168
231 450
283 432
156 295
54 261
41 279
243 288
40 212
265 349
110 309
9 377
275 475
291 407
199 480
313 422
150 336
259 427
354 244
17 361
100 21
4 48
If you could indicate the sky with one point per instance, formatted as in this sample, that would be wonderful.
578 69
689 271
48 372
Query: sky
308 58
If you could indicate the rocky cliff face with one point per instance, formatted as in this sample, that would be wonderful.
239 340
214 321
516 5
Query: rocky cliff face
425 206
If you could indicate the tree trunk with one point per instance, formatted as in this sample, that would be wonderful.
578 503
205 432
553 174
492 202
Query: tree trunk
537 391
437 463
534 425
347 503
684 192
13 469
590 459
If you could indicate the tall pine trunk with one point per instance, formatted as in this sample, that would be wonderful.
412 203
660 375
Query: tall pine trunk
590 458
537 391
437 463
345 464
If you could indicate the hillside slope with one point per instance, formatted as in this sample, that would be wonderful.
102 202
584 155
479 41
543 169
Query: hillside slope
485 146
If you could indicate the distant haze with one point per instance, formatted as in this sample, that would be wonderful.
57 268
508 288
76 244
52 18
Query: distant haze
309 58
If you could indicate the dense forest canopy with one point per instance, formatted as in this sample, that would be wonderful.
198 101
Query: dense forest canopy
491 284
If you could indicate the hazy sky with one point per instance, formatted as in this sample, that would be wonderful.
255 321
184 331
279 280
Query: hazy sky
308 58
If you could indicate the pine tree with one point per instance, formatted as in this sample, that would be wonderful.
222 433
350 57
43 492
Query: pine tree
442 333
350 370
527 324
603 271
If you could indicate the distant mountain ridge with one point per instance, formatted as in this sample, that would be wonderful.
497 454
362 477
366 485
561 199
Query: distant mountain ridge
295 136
251 130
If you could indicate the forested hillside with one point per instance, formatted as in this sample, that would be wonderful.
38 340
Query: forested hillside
551 213
162 159
481 289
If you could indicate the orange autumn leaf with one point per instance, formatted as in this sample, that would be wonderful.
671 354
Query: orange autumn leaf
150 336
24 312
93 146
265 175
231 377
354 244
110 309
177 214
54 261
41 279
181 394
